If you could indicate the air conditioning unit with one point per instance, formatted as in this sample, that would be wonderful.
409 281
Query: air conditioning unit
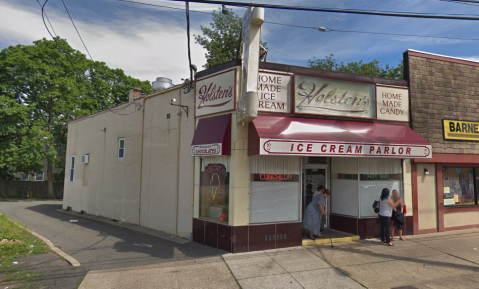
85 159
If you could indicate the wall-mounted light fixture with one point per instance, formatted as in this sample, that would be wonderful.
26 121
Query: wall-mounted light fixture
426 171
184 107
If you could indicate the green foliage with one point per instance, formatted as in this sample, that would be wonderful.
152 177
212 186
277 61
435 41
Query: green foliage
370 68
221 40
47 85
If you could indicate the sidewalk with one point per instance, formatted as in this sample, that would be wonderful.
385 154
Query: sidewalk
209 273
442 260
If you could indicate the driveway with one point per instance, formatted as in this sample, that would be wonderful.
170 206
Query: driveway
99 246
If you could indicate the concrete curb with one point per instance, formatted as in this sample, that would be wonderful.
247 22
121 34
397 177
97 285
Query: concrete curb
126 225
62 254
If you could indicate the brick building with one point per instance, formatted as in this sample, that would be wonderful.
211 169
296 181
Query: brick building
444 106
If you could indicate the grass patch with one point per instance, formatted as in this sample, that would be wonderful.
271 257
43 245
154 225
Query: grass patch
24 244
23 276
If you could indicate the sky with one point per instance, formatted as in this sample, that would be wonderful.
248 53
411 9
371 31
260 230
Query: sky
149 42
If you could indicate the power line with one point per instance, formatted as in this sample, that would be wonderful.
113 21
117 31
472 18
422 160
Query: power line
315 28
339 10
78 32
47 17
461 2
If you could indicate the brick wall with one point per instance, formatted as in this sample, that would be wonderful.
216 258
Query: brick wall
441 88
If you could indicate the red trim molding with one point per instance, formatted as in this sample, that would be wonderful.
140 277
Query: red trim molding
414 198
442 58
462 227
450 158
427 231
461 209
440 198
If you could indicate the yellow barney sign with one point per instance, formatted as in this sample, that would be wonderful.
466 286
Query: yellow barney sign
461 130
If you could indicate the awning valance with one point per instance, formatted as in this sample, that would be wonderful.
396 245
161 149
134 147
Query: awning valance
212 136
284 135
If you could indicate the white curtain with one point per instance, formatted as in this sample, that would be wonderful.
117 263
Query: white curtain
379 166
224 160
275 165
344 166
367 166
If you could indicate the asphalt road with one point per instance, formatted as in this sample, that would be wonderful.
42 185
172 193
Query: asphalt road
97 245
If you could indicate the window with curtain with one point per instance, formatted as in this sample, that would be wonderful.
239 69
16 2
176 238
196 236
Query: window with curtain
375 174
214 188
275 189
361 180
344 186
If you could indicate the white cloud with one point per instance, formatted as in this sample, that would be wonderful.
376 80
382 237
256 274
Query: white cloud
144 47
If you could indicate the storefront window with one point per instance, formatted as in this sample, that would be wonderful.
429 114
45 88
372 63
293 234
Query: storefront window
274 189
214 189
458 186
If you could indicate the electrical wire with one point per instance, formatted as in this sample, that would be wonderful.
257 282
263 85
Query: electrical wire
461 2
187 5
69 59
314 28
340 10
47 17
78 32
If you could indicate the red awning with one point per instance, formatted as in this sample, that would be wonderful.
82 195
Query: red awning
284 135
212 136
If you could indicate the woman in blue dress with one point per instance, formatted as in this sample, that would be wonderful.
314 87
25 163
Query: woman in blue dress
314 214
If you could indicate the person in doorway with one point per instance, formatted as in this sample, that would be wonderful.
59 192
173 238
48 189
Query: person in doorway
320 190
397 219
314 214
385 212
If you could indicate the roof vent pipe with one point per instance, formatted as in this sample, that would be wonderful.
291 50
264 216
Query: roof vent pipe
161 83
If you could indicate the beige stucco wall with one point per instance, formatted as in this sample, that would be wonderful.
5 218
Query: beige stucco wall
239 175
460 219
427 197
110 187
408 186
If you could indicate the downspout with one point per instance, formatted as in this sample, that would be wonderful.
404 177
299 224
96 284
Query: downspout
141 141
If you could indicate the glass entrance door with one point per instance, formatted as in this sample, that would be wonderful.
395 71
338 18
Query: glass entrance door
313 177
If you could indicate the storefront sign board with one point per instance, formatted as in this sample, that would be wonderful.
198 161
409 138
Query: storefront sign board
461 130
273 92
216 93
325 96
206 150
392 103
274 178
315 148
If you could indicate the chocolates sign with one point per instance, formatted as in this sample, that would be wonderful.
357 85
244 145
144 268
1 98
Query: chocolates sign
216 93
273 92
392 103
324 96
315 148
206 150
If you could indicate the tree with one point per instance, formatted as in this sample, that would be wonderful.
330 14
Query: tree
52 83
20 140
370 68
221 40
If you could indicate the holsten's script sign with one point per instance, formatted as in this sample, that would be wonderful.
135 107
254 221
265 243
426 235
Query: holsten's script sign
273 92
206 150
216 93
392 103
461 130
316 95
290 147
